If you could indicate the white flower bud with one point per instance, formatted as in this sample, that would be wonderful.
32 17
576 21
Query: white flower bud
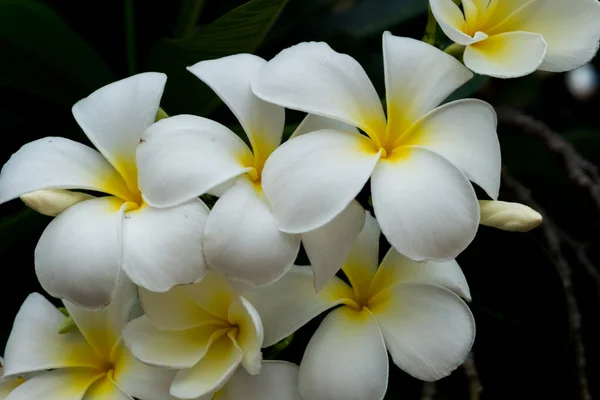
52 202
514 217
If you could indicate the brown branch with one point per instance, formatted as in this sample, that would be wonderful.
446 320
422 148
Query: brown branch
580 170
475 387
555 238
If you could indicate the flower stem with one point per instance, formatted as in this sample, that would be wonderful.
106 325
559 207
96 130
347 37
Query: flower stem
430 29
455 50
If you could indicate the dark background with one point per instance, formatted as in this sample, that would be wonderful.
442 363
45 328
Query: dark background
536 295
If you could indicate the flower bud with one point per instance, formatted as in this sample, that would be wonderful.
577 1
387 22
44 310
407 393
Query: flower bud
52 202
514 217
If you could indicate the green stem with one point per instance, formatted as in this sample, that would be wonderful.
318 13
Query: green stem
455 50
130 37
161 114
188 17
430 29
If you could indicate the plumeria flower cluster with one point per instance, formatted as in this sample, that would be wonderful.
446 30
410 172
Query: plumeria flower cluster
167 299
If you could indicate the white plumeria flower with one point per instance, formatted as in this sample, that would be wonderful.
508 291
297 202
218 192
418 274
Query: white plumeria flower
186 156
406 307
91 363
82 251
9 383
278 380
205 330
511 38
417 159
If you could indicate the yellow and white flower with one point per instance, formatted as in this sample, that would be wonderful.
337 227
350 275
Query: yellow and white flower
511 38
419 160
91 363
205 330
411 309
82 251
185 156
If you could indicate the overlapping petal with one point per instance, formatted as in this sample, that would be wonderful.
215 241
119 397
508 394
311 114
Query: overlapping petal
242 239
105 389
64 384
163 247
452 21
427 329
213 293
250 333
312 178
185 156
277 380
426 207
78 256
313 122
345 359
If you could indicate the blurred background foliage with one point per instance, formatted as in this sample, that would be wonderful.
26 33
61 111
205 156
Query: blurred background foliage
536 296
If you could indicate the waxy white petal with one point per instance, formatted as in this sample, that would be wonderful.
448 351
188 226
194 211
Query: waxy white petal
296 304
78 257
163 247
427 329
278 380
451 20
328 247
345 359
185 156
507 55
426 207
35 344
312 178
229 77
105 389
418 77
52 202
64 384
242 239
213 293
58 163
313 78
115 116
312 123
250 333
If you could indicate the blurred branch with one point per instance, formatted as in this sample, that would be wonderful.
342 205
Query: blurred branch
130 37
581 171
188 18
428 391
555 238
430 28
475 387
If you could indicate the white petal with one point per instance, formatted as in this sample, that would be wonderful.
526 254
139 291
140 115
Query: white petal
345 359
211 373
242 239
312 178
313 122
230 78
418 77
451 20
63 384
296 304
102 328
328 247
250 333
278 380
115 116
362 262
78 256
105 389
163 247
464 133
570 28
507 55
396 268
168 348
313 78
159 309
185 156
7 385
52 202
213 293
58 163
140 380
426 207
427 329
35 344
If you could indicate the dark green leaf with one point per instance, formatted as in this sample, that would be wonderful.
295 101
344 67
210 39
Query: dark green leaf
239 31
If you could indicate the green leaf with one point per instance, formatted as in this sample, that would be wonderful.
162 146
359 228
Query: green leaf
239 31
21 226
49 54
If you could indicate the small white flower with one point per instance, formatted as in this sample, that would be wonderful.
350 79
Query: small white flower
511 38
419 159
82 251
205 330
406 307
186 156
89 363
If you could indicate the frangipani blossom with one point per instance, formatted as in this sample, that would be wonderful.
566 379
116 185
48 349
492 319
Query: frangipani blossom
419 159
206 330
9 383
186 156
511 38
407 308
91 363
82 251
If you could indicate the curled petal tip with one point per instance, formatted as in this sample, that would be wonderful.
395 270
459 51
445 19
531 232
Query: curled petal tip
513 217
